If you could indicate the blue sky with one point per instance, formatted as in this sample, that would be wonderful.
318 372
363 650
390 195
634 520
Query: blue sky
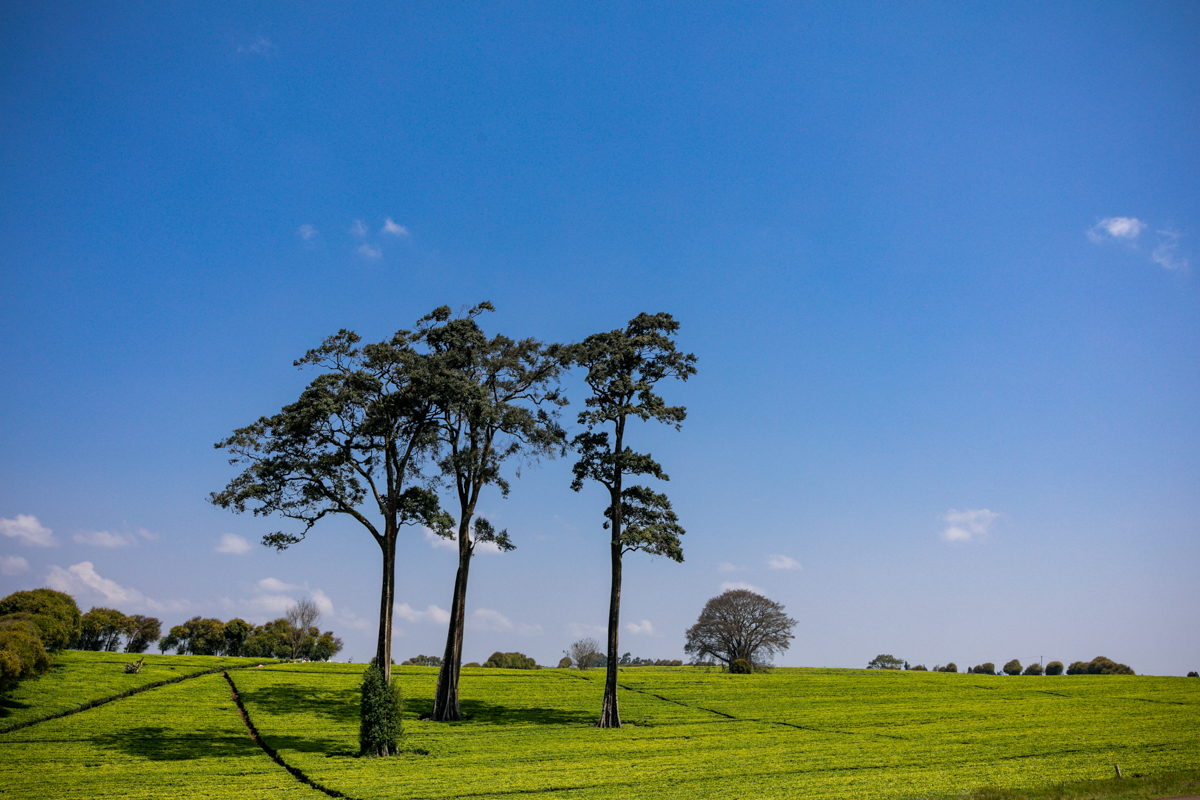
938 264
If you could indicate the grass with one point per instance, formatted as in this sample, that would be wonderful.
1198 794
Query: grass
78 678
689 733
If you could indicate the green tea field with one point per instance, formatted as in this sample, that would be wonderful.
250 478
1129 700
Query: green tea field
688 733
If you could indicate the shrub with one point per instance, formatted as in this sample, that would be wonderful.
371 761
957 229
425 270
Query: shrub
951 667
740 666
21 654
564 662
1054 668
986 668
1012 668
58 606
471 664
510 661
1033 669
1193 674
1099 666
380 730
919 668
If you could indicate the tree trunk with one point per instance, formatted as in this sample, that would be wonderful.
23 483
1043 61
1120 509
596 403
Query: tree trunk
610 713
383 650
445 699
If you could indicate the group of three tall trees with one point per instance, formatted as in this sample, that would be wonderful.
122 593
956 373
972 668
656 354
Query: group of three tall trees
359 440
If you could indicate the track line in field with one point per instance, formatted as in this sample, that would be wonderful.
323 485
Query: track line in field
123 695
295 772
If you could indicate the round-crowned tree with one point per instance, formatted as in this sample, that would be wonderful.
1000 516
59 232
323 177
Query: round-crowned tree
740 624
1054 668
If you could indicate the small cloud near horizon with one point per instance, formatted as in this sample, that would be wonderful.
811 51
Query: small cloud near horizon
640 627
969 525
783 562
726 566
731 585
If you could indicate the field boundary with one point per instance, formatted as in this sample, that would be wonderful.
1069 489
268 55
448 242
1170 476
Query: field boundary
271 753
90 704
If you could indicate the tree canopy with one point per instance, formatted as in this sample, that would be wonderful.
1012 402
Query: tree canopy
740 624
351 445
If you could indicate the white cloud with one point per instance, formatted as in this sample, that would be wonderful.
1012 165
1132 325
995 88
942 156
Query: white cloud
105 539
323 603
145 534
1126 228
232 543
82 579
358 229
487 619
727 585
1166 254
308 232
393 228
783 562
276 585
436 541
13 565
366 251
640 627
725 566
28 530
431 614
964 526
273 605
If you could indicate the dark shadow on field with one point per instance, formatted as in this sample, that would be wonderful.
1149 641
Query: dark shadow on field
159 744
8 706
276 700
494 714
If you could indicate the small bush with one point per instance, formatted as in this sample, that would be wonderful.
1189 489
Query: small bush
1012 668
422 661
918 668
1054 668
951 667
564 662
986 668
379 733
1194 674
471 664
21 654
740 666
510 661
1033 669
58 606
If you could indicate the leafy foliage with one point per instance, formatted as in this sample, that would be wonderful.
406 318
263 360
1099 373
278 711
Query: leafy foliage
21 652
740 624
510 661
1054 668
1033 669
883 661
381 709
57 615
1099 666
740 666
422 661
1012 667
986 668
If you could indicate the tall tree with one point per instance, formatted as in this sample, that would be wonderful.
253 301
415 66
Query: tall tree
352 444
498 401
623 367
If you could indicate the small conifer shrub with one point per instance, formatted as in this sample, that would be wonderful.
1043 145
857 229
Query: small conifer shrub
379 733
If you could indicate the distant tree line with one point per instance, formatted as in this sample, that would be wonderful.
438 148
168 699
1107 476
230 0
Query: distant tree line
275 639
1097 666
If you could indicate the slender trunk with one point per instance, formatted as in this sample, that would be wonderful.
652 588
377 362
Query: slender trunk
383 650
610 713
445 699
